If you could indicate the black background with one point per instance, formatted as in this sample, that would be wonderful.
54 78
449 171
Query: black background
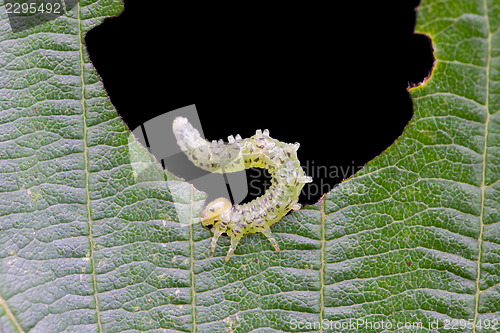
334 79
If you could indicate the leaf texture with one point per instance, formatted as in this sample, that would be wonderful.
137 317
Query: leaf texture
414 236
85 246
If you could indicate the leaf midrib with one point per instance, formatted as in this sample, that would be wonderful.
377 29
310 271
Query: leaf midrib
11 315
483 181
322 267
87 173
191 245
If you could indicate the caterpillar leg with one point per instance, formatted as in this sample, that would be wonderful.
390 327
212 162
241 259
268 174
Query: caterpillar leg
234 242
271 238
217 234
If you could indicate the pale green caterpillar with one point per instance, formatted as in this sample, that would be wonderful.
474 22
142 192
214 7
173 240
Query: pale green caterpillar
258 151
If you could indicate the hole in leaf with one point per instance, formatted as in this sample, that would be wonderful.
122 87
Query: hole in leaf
334 81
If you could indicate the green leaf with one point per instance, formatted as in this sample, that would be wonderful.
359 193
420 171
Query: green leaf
86 244
95 237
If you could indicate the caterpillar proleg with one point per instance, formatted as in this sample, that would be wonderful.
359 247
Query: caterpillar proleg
258 151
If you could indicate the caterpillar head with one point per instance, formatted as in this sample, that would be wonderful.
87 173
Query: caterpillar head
214 210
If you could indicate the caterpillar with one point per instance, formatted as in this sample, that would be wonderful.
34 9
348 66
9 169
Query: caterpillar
258 151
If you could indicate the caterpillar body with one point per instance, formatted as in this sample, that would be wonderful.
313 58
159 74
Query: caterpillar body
258 151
